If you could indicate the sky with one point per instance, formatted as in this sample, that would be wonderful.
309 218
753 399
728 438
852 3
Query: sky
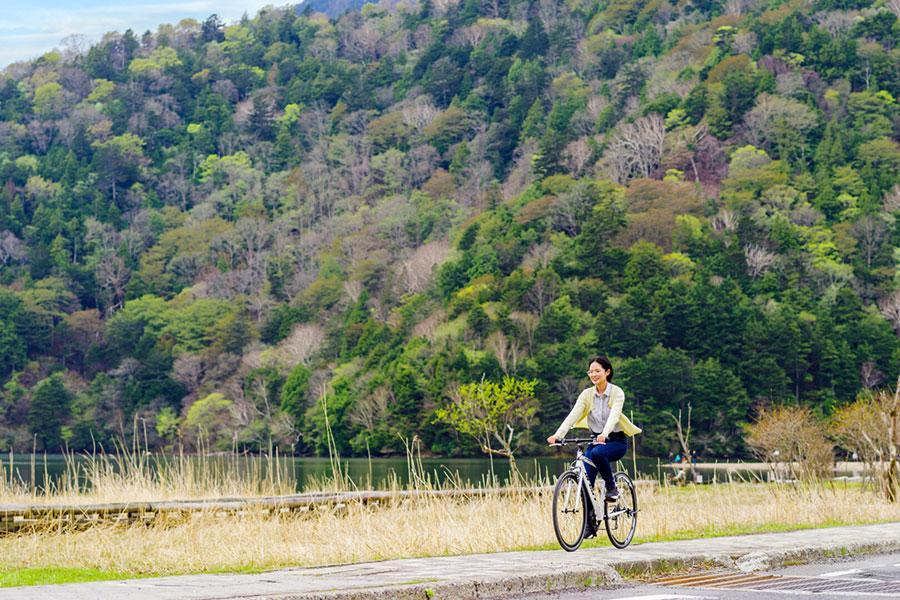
29 28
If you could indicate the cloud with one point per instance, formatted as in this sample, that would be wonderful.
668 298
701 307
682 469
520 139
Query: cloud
29 30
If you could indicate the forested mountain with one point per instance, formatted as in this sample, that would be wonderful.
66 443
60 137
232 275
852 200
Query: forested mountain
332 8
206 228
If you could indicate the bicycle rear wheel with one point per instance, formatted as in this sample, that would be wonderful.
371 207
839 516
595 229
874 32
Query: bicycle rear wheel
620 517
569 511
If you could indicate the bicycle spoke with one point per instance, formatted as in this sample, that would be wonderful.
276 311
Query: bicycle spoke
568 512
621 517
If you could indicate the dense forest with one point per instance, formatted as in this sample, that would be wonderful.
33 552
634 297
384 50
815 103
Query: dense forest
206 229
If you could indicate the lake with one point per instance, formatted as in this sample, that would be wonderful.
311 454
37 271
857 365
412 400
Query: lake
377 472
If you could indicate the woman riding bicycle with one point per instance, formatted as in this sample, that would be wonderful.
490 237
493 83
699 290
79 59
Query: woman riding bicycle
599 408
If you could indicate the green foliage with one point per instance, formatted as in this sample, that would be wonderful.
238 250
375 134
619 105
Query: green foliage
294 390
432 212
208 422
50 405
495 414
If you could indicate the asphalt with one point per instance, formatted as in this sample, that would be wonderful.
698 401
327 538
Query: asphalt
499 575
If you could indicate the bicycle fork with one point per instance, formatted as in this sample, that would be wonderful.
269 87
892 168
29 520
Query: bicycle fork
584 488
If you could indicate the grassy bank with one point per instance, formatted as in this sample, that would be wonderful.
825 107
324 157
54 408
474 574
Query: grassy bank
422 527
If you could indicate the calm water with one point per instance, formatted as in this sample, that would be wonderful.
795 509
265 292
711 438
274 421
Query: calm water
365 473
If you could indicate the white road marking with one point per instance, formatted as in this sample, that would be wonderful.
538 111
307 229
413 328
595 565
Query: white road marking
662 597
840 573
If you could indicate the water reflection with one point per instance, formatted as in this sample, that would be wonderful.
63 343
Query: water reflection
381 473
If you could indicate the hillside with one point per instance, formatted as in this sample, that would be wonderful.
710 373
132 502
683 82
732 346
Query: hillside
332 8
205 229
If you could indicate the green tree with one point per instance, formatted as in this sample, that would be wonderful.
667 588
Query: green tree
293 392
120 160
209 423
720 407
497 415
50 405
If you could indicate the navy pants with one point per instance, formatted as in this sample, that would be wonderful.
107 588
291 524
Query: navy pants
603 455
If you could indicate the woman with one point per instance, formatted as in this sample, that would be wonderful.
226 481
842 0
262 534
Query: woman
599 408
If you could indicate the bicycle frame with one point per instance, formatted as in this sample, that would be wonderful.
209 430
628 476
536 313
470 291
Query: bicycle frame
578 467
603 511
583 487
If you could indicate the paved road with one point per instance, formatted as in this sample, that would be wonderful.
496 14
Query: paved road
873 576
500 575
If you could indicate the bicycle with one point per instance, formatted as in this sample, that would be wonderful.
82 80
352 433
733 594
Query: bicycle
575 505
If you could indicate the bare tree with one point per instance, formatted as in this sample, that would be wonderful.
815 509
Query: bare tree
775 120
521 175
569 386
188 370
758 259
12 249
472 35
529 322
300 345
725 220
112 275
791 438
422 161
869 375
870 426
362 43
371 408
836 22
442 6
137 236
684 440
505 349
894 6
636 150
418 268
890 308
427 327
420 113
577 155
544 290
540 256
871 233
892 198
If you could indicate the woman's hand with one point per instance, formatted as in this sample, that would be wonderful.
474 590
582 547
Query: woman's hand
601 439
551 440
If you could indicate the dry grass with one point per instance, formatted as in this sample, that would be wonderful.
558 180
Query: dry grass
425 527
136 476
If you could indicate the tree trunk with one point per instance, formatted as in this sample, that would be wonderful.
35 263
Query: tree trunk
892 476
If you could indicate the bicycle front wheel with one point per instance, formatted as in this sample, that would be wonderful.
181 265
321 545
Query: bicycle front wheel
569 514
620 517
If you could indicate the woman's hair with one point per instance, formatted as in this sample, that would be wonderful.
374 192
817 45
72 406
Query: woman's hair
603 362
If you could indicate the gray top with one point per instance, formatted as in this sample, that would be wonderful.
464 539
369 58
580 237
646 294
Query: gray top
599 411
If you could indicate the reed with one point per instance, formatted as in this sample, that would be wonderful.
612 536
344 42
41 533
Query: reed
135 474
424 526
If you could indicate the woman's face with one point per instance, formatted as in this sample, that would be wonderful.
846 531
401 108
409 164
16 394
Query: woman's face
597 373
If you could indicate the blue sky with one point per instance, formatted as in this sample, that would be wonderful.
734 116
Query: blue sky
30 28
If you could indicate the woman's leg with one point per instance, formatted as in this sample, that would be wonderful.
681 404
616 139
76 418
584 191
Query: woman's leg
602 455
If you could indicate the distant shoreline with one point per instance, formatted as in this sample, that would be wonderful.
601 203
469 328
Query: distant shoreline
761 466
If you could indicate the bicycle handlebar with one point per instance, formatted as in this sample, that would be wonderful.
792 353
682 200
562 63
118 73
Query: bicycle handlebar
566 442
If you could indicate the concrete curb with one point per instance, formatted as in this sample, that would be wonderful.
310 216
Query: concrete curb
490 576
608 574
497 587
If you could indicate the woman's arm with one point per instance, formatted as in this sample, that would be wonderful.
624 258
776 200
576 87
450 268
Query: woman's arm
616 402
576 413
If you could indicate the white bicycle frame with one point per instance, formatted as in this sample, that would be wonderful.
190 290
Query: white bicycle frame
596 503
578 465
